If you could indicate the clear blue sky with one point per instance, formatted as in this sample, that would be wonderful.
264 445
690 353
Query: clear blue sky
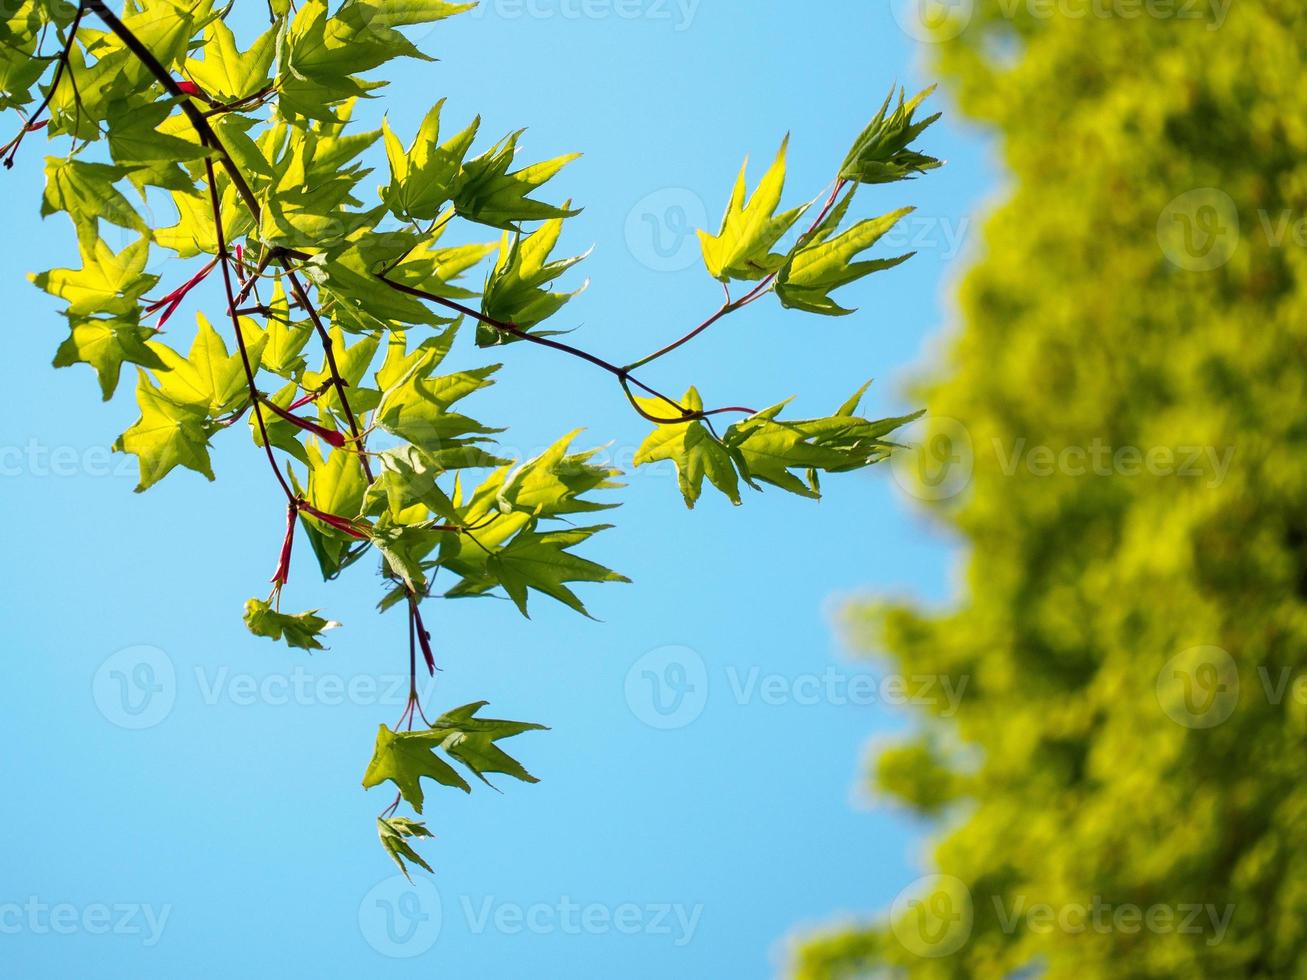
231 836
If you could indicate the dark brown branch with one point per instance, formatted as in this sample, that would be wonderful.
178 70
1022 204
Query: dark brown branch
622 374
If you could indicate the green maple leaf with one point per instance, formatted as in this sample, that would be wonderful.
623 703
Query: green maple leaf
553 482
407 481
882 152
168 434
485 191
742 249
336 485
692 447
532 560
195 232
395 833
826 261
404 547
768 448
433 268
227 74
416 406
422 178
472 741
107 284
516 290
135 141
86 192
107 344
405 758
209 378
302 630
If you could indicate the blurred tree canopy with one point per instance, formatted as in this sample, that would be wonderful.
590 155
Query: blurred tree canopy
1121 792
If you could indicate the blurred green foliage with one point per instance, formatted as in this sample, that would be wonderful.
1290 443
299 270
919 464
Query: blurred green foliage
1121 791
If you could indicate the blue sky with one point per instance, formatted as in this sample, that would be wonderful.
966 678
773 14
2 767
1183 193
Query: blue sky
228 833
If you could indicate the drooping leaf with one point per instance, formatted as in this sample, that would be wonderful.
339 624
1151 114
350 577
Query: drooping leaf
302 630
692 447
405 758
395 834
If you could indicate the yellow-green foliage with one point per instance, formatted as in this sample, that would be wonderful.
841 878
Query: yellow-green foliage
1075 774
